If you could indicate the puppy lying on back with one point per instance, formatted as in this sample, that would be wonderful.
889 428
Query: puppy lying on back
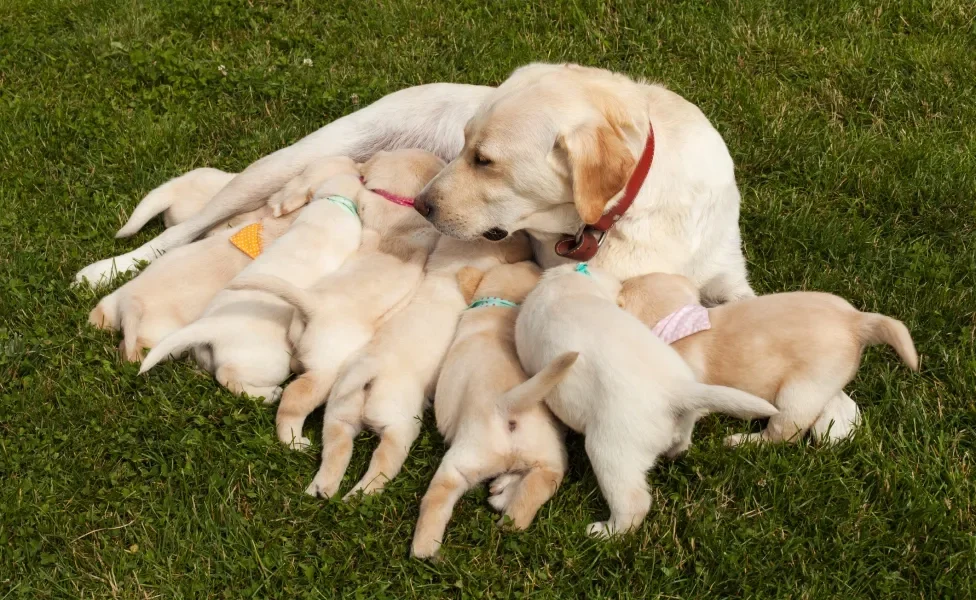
798 350
480 384
385 386
175 289
342 311
242 336
629 393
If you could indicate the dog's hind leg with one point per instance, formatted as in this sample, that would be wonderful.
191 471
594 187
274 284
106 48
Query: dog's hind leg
799 404
450 482
531 492
389 456
623 480
299 399
338 433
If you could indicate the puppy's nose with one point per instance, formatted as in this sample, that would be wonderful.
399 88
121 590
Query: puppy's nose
495 234
423 205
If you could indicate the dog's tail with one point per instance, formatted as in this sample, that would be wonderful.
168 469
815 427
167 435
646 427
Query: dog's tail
726 400
106 313
154 203
879 329
195 334
131 317
533 391
303 301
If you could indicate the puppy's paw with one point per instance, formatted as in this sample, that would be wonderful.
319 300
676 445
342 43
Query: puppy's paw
738 439
425 550
502 489
321 489
274 396
99 273
600 529
300 443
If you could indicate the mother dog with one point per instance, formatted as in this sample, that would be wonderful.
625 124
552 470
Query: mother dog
550 151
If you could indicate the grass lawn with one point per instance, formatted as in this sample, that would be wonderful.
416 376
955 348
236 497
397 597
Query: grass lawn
852 130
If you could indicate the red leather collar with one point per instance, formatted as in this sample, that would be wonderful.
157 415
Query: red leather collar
589 238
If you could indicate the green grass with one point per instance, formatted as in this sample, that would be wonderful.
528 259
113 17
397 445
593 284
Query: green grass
852 127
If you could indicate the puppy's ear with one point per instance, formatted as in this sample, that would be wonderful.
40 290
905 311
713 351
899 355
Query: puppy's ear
469 278
599 163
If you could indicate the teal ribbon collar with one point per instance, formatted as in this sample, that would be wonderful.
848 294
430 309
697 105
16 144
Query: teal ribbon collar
582 268
492 301
345 203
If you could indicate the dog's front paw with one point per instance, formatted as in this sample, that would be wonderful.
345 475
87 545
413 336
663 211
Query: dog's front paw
738 439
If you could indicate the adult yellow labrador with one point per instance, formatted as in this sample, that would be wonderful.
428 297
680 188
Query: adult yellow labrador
548 151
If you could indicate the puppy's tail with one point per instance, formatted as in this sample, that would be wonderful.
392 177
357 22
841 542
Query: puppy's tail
181 340
154 203
106 313
534 390
879 329
303 301
726 400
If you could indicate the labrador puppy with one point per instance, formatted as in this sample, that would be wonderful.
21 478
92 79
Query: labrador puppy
386 385
629 393
797 350
242 335
176 289
182 197
479 394
340 314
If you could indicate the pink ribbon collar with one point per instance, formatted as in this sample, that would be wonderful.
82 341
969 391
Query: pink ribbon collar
394 198
685 321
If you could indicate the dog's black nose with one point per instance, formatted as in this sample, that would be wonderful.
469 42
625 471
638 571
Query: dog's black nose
495 234
423 205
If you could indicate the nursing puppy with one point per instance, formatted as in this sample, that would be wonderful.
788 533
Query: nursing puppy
480 385
340 314
386 385
178 199
629 393
797 350
182 197
242 336
174 290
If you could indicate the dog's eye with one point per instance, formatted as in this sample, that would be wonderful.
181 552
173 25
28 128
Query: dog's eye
480 160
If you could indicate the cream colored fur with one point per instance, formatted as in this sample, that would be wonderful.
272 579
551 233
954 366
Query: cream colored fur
242 336
480 381
384 386
631 395
797 350
341 312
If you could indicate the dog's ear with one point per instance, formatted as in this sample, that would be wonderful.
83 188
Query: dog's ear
468 279
599 163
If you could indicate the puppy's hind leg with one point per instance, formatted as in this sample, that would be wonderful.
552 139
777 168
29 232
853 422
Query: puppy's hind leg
299 399
389 456
337 440
622 476
532 491
837 422
799 404
450 482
